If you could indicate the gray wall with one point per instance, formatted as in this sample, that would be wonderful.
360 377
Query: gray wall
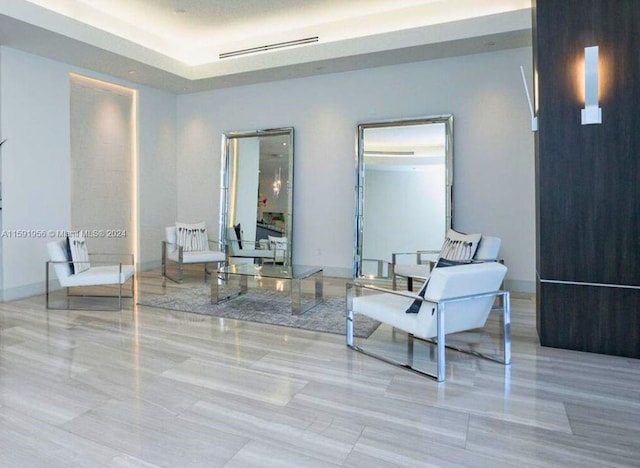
35 106
179 146
493 148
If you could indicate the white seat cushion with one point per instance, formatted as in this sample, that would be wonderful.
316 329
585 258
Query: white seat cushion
389 309
97 275
456 281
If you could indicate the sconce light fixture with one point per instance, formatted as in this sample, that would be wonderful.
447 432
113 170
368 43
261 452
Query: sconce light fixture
591 114
534 118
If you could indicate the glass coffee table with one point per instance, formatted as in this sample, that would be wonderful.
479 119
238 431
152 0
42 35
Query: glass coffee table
296 275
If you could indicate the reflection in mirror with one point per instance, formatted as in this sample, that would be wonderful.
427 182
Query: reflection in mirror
257 194
405 175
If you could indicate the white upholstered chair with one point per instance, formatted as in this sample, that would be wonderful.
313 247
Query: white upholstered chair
239 248
176 256
488 250
456 298
94 273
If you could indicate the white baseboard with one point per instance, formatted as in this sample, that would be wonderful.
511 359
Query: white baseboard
20 292
151 265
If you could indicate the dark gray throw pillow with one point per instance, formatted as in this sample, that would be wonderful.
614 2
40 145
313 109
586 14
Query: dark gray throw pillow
238 234
67 251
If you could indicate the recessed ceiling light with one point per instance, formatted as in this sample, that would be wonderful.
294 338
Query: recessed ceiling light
131 72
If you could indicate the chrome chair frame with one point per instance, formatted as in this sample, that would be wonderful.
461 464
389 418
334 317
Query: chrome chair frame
419 261
69 293
440 340
179 276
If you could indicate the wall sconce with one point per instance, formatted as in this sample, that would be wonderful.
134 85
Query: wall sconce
591 114
534 118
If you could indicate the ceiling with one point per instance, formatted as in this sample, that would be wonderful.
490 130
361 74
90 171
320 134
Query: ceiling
175 44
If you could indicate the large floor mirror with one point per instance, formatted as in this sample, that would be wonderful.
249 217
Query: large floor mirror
257 194
403 190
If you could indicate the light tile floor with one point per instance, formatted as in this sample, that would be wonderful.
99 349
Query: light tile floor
151 387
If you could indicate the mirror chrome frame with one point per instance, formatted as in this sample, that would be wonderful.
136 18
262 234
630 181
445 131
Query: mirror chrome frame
447 119
224 180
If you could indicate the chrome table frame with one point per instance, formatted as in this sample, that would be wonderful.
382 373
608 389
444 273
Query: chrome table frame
265 271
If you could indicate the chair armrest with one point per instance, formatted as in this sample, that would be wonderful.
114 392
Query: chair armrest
68 262
418 254
92 263
179 248
395 255
487 260
380 267
422 253
370 287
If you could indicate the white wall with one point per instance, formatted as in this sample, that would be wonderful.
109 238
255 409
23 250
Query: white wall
493 148
35 178
494 169
157 190
34 99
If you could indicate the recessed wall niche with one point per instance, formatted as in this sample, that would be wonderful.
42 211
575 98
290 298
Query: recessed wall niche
103 163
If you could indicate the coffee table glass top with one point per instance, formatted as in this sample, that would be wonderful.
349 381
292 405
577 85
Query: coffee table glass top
271 271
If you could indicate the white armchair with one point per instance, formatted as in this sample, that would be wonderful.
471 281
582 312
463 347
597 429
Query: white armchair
74 274
456 298
488 250
176 254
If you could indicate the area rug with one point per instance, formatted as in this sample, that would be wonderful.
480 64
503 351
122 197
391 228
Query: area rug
264 306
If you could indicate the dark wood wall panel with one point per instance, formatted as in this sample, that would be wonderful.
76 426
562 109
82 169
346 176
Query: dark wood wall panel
590 318
588 176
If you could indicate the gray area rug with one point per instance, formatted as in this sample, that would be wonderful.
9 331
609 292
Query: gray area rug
264 306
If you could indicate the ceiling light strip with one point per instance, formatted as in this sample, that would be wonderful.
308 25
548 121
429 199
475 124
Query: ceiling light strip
264 48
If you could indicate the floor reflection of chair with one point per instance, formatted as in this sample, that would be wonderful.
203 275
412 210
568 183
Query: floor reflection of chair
456 299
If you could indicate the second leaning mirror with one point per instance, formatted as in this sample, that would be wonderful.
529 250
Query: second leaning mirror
404 183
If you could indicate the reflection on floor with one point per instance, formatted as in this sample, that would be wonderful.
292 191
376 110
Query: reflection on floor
151 387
